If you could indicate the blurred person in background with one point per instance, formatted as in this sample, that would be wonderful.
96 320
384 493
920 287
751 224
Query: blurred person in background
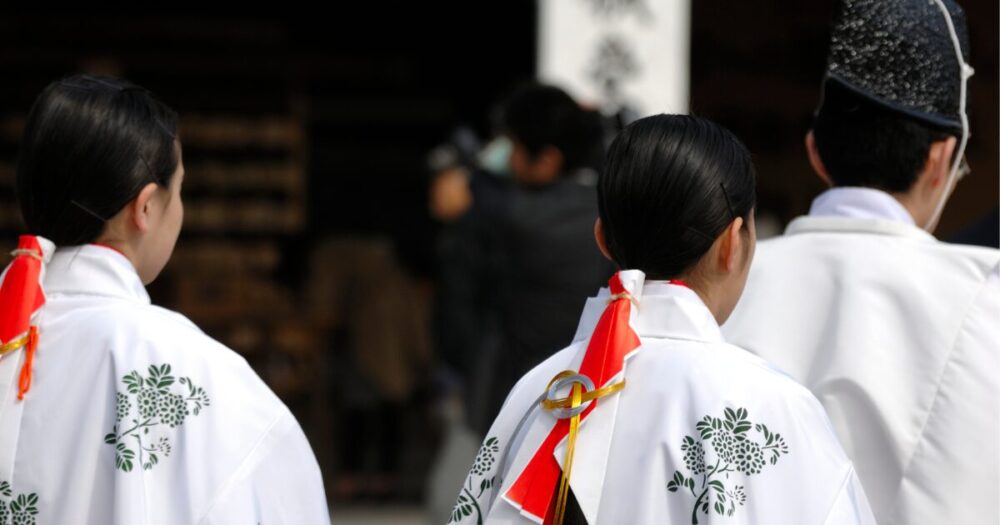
519 261
470 188
550 264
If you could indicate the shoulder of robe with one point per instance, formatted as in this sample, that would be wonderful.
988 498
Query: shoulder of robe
982 259
139 336
892 263
736 379
718 366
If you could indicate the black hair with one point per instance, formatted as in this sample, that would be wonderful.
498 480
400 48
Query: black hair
671 185
540 116
90 145
865 144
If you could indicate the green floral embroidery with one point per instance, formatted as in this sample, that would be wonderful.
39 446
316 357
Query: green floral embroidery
468 504
734 452
17 511
155 406
122 406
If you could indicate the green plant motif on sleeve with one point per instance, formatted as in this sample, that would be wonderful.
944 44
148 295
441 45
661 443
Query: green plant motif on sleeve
481 472
734 452
155 405
20 510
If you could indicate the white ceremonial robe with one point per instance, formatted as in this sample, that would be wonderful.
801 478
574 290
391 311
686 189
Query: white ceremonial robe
703 432
898 336
135 416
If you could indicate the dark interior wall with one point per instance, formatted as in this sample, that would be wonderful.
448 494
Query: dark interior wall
376 90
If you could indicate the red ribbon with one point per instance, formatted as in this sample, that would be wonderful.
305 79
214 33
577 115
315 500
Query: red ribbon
612 340
20 297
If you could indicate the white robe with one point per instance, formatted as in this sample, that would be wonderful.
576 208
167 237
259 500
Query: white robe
637 450
898 335
135 416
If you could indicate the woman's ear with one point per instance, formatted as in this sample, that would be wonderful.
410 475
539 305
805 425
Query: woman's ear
602 242
140 209
731 246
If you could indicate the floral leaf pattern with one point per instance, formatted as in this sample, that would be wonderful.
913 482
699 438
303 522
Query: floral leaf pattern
482 471
734 451
19 510
149 404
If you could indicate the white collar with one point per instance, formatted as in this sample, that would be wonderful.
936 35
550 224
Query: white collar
858 210
860 203
664 310
93 270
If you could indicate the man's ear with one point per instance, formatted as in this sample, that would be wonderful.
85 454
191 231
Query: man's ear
549 162
938 164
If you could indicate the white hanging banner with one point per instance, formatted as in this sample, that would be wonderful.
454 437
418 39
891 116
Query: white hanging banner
617 55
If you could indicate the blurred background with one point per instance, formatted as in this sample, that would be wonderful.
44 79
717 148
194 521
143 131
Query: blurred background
340 165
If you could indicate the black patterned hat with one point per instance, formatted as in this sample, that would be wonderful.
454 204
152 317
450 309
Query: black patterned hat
901 54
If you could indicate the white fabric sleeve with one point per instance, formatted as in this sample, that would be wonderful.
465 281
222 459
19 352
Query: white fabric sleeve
954 473
851 506
279 483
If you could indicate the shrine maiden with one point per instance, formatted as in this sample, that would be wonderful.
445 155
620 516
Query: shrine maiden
649 416
113 410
